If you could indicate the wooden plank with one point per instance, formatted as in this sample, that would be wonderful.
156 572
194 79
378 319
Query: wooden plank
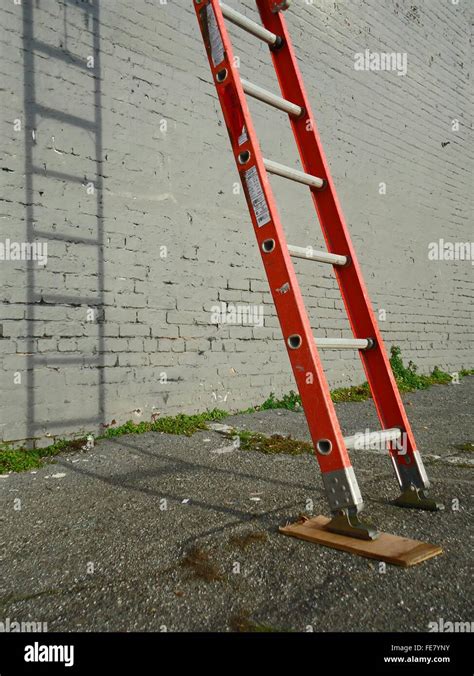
393 549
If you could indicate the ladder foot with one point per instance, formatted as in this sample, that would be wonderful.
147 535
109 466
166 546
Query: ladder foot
416 498
346 522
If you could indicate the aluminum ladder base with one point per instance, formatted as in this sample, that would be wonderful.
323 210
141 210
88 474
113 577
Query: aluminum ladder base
347 522
416 498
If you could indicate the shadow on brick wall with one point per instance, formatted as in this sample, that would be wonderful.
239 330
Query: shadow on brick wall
51 395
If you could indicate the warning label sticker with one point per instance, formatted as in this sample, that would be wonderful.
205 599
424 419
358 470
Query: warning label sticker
217 46
243 136
259 203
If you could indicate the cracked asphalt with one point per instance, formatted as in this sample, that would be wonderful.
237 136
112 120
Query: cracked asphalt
96 541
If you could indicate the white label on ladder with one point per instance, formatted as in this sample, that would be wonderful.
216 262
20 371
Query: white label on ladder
217 46
257 197
243 136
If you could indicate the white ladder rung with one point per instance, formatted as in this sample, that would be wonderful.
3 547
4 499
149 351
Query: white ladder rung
250 26
272 99
311 254
345 343
369 439
293 174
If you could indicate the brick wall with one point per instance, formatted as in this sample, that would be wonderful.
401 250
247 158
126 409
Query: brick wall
121 164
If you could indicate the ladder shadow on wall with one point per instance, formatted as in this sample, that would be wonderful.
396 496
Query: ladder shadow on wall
64 210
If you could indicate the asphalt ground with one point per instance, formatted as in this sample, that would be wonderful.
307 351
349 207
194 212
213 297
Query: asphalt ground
158 532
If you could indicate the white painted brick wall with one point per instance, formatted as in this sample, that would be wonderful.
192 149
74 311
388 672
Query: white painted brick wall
174 189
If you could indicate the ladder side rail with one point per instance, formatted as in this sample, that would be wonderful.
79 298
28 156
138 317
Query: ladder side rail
338 474
407 462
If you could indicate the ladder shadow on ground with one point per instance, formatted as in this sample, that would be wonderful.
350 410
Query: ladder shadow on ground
243 516
131 481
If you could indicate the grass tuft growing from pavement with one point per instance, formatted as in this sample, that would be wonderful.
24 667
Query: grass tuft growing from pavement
355 393
290 401
13 460
407 377
468 446
178 424
253 441
22 459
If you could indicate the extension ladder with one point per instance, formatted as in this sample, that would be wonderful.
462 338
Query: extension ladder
331 447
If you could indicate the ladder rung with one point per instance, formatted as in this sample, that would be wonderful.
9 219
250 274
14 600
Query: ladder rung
314 255
272 99
345 343
368 439
293 174
250 26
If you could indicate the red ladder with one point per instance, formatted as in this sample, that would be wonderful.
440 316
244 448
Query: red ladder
331 447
